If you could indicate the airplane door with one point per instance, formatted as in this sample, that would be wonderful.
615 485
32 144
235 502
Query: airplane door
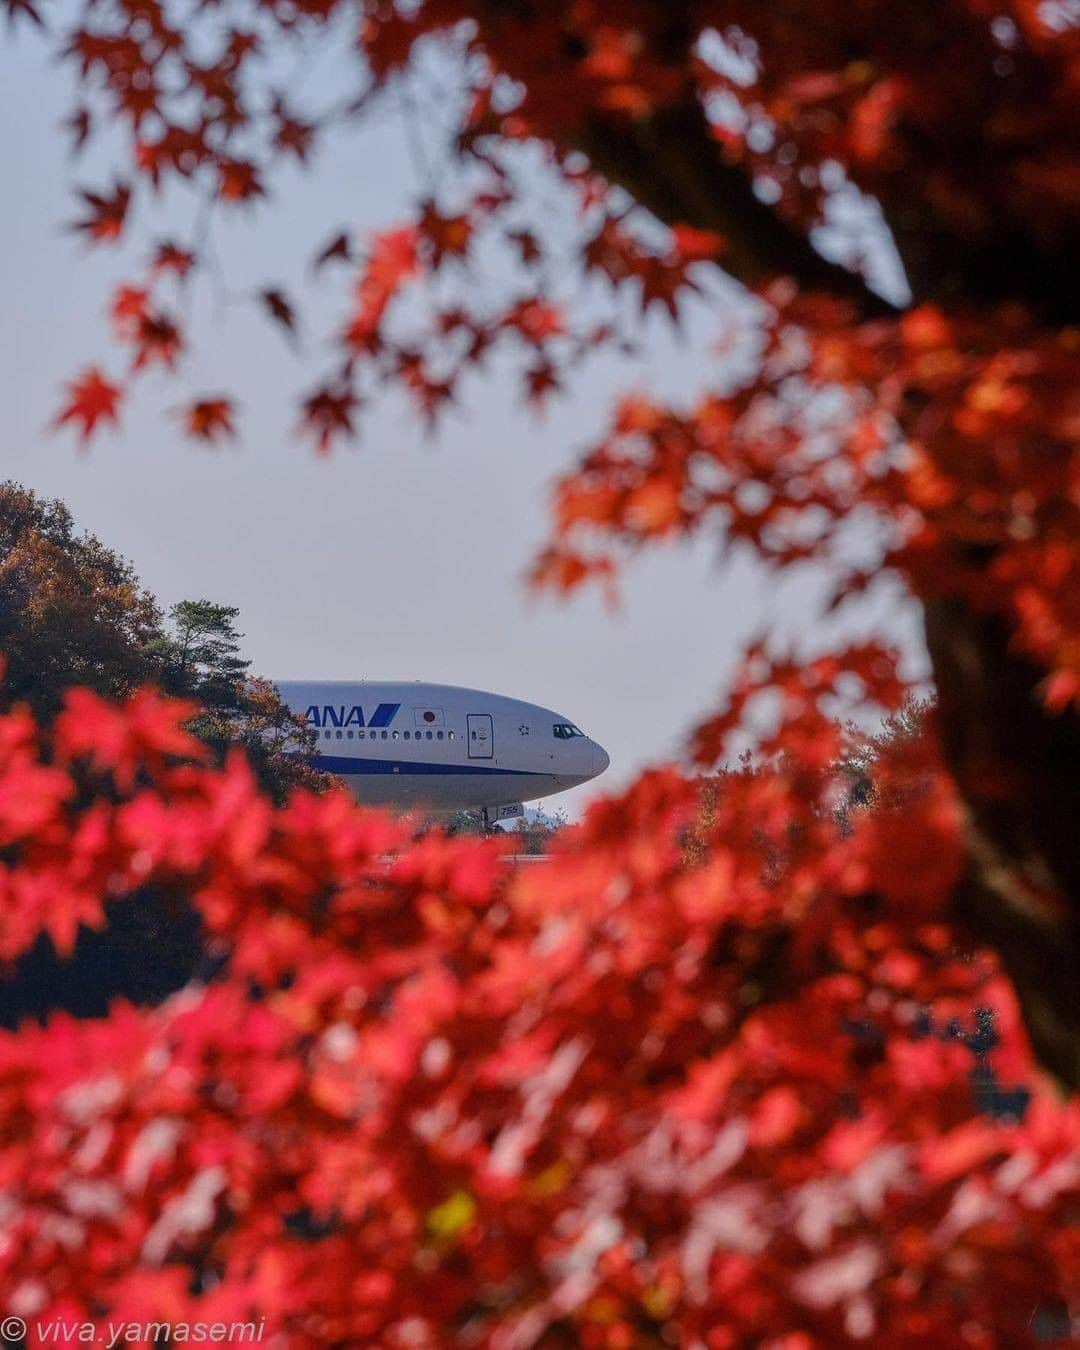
481 736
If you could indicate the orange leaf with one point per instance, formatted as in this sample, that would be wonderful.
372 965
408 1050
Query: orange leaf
654 507
91 399
209 418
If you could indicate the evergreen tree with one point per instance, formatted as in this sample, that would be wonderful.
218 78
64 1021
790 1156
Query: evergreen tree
200 656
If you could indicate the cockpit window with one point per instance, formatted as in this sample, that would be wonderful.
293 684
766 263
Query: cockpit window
565 731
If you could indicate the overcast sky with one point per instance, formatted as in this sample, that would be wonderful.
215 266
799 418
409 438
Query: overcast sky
402 557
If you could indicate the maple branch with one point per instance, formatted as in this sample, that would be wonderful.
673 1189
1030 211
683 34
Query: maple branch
671 164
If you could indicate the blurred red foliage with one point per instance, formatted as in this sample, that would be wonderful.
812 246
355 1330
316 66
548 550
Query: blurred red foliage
720 1072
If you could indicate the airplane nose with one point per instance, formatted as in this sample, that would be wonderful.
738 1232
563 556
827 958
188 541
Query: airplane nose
601 759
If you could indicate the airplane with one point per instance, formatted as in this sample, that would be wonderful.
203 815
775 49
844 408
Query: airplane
441 747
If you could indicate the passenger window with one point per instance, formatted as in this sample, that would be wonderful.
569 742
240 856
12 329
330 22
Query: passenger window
348 735
384 735
394 735
439 735
407 736
429 735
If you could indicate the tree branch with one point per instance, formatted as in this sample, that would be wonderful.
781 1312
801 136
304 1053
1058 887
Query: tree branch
1015 764
671 164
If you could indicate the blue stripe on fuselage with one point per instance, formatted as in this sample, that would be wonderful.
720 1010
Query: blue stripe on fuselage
346 766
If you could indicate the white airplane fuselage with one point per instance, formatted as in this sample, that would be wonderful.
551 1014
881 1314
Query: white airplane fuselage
409 744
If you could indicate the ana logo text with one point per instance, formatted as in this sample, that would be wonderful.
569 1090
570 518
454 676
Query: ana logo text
342 715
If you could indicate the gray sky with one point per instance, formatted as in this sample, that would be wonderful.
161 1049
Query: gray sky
402 557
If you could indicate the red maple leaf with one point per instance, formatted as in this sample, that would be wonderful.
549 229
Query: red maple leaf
536 320
157 340
393 258
170 257
180 149
91 399
328 413
128 310
542 380
392 262
238 180
104 223
445 236
209 419
662 280
293 136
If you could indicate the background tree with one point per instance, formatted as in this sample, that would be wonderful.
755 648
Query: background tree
71 610
538 830
201 654
198 656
